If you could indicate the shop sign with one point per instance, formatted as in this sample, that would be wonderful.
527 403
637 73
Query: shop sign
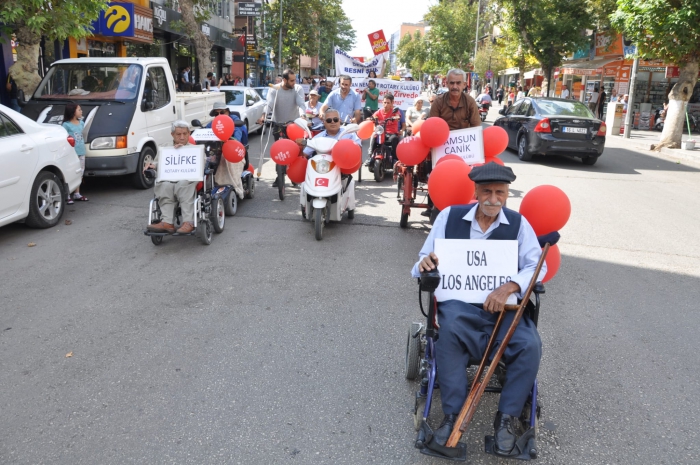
251 40
674 72
228 57
582 71
607 44
116 21
143 24
206 30
249 9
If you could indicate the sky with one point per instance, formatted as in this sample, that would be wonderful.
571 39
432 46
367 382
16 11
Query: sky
369 16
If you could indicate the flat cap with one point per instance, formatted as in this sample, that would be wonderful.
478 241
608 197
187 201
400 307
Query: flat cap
491 172
313 92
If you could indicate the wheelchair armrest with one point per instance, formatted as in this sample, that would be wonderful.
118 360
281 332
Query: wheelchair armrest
429 280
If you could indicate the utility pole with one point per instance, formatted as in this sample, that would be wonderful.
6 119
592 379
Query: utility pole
245 56
279 57
630 101
476 38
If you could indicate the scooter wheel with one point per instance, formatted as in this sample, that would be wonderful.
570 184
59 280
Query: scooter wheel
318 223
157 240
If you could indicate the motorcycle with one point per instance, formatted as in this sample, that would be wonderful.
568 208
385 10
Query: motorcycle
213 146
484 110
381 159
325 193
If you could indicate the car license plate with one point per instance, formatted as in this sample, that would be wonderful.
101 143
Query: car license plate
576 130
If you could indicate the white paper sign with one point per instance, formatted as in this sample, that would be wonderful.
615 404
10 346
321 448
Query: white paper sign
467 143
183 164
470 269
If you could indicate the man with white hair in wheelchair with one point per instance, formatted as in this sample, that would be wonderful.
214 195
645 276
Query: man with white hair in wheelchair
464 328
171 193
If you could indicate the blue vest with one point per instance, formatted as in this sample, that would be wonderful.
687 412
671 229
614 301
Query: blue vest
458 228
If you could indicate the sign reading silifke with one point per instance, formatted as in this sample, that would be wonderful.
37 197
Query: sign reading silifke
182 164
378 42
249 9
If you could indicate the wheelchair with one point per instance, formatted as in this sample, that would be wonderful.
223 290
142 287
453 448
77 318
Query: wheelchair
209 209
421 365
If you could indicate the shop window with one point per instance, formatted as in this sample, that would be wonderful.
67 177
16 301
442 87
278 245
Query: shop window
156 87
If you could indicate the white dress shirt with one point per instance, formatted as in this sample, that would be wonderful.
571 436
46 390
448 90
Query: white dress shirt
529 250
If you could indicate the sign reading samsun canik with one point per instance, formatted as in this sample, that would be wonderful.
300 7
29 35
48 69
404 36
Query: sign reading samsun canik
249 9
125 20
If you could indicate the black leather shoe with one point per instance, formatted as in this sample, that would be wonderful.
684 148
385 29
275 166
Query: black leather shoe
442 434
426 212
276 183
504 433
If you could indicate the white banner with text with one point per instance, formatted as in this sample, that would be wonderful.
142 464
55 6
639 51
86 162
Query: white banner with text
345 64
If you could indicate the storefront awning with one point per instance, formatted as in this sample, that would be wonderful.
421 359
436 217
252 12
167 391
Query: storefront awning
588 68
533 73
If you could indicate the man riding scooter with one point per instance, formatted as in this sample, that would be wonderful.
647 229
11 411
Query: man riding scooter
332 129
393 127
230 173
484 100
170 193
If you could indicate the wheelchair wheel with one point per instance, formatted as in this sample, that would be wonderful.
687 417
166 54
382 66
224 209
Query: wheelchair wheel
218 216
418 414
231 203
250 187
204 231
412 352
157 240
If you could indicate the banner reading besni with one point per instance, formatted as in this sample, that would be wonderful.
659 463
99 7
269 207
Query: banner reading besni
345 64
470 269
378 42
467 143
183 164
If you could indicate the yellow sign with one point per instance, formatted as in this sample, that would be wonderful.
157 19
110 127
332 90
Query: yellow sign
117 19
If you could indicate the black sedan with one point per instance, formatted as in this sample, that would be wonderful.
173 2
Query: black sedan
553 126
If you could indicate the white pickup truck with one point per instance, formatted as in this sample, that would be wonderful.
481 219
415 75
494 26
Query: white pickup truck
128 106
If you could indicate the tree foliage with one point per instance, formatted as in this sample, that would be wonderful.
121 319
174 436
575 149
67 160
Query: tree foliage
194 12
412 52
450 40
308 28
32 19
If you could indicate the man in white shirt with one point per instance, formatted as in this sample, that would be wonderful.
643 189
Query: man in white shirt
564 91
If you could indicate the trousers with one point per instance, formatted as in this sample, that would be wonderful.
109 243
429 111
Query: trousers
464 333
170 193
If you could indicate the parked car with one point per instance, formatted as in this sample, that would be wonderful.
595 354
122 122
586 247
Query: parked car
38 168
262 91
129 105
553 126
247 102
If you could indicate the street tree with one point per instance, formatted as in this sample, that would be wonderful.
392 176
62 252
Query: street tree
307 28
29 20
412 52
548 29
669 30
452 26
194 13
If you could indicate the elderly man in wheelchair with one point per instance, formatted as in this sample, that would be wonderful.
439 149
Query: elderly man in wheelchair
189 203
465 329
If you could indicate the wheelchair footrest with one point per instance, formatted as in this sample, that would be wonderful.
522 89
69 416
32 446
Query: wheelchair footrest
151 233
427 445
525 447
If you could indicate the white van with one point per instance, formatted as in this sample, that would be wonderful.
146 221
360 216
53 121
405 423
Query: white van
128 105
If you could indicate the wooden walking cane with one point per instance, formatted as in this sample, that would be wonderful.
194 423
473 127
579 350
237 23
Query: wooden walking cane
478 386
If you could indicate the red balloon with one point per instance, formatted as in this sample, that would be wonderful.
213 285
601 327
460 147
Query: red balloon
496 160
233 151
294 132
192 141
415 129
495 141
546 208
346 153
449 184
450 157
351 170
251 168
473 201
411 151
284 151
553 261
366 130
223 127
434 132
297 170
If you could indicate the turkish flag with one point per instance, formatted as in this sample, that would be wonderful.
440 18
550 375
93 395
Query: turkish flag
323 182
241 40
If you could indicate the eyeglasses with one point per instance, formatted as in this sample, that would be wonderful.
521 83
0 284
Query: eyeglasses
332 120
220 112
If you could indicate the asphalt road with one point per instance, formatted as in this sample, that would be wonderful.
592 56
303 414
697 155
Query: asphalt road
270 347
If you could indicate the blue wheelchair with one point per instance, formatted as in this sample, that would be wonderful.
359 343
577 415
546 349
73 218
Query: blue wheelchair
421 365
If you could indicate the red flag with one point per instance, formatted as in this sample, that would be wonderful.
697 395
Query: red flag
323 182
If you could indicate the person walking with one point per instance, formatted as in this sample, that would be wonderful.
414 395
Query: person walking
74 124
499 95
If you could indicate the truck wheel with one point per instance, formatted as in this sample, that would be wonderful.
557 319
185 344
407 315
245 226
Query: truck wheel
46 201
138 179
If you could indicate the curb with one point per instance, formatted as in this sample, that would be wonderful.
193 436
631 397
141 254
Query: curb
691 157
